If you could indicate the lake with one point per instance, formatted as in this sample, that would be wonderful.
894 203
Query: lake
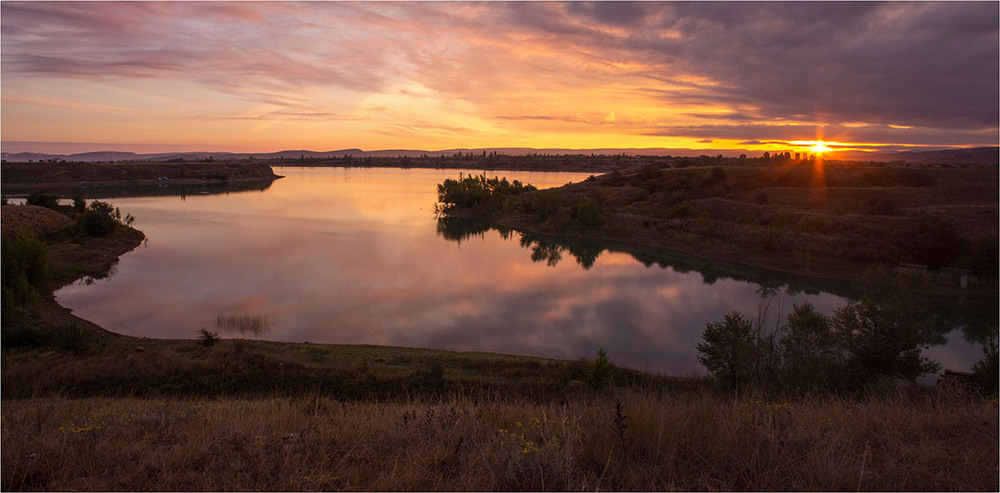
356 256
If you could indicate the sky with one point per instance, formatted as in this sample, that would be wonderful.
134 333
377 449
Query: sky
270 76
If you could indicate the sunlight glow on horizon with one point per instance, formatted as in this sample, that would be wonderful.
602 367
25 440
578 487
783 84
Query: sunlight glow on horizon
820 147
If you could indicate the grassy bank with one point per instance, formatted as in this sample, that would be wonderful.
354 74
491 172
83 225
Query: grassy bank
46 248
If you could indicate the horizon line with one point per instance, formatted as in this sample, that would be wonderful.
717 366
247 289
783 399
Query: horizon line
152 149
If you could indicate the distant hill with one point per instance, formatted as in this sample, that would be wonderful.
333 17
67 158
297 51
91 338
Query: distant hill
110 156
979 155
976 155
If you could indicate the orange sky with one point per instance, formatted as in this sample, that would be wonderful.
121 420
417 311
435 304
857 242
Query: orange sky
260 77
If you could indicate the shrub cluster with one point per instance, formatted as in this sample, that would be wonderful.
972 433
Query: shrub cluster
43 199
25 273
478 192
861 343
101 219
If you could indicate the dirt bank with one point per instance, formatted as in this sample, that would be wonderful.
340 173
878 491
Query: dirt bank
31 219
30 176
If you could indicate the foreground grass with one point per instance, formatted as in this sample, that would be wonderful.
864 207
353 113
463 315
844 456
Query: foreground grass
654 441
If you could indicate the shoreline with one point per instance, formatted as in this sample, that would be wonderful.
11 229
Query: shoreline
22 187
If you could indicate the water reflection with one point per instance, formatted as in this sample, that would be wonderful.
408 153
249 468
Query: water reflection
357 256
550 250
964 325
244 324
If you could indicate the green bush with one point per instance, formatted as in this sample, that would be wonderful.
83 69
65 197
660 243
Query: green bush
600 371
729 349
863 343
42 199
588 214
25 271
95 224
478 192
206 338
101 219
885 339
811 355
546 203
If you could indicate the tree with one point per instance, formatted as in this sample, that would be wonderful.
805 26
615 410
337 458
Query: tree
729 349
885 339
811 354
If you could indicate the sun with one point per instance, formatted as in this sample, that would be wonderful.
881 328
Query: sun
820 147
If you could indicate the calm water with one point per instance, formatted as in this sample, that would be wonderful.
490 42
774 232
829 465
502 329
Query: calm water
355 256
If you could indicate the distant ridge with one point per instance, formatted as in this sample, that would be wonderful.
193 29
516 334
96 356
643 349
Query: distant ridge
105 156
982 155
973 155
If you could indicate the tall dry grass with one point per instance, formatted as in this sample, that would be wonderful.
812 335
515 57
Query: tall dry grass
650 442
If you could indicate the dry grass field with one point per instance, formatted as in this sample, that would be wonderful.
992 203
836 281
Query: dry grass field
614 440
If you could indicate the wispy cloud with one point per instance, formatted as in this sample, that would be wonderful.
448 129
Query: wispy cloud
704 71
88 107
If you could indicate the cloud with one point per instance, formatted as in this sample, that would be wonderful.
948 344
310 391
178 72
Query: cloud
570 119
926 64
651 68
225 46
89 107
283 115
